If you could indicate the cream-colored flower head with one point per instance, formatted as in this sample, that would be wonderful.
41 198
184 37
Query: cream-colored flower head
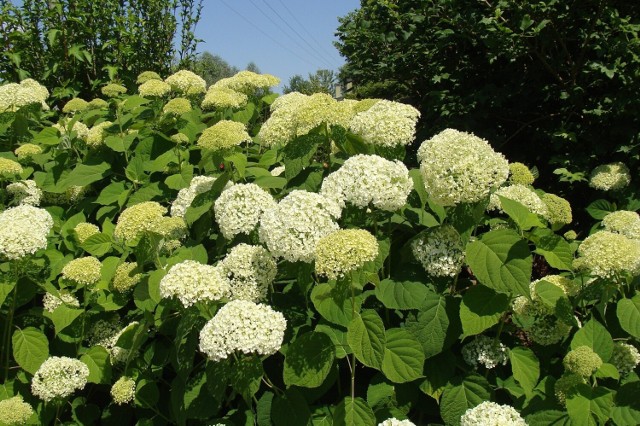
145 76
540 326
136 220
59 377
25 192
9 168
490 413
243 326
521 194
344 251
97 134
177 106
154 89
198 185
14 411
75 105
191 282
25 151
187 83
84 230
124 390
395 422
519 174
485 351
623 222
610 177
250 271
113 90
558 210
386 123
81 130
14 96
625 357
239 208
38 89
223 135
221 97
180 139
23 231
84 270
440 251
294 226
50 302
126 277
459 167
369 181
606 254
98 103
247 82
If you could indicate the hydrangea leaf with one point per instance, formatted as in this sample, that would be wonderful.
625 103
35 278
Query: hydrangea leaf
403 356
556 251
30 348
628 311
525 367
308 360
481 308
97 245
588 401
521 215
594 335
401 294
366 337
353 412
290 409
461 395
97 359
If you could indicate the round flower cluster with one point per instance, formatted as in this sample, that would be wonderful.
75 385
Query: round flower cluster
223 135
145 76
23 231
102 332
521 194
180 139
558 210
570 235
9 168
279 129
623 222
59 377
395 422
365 180
289 100
171 228
75 105
198 185
541 326
625 357
80 129
490 413
136 220
386 123
124 390
113 90
582 361
177 106
243 326
26 151
610 177
459 167
606 254
84 270
97 134
239 208
14 96
193 282
486 351
40 91
344 251
294 226
98 103
187 82
126 277
84 230
439 250
565 384
154 89
14 411
50 302
250 271
72 195
222 97
247 82
25 192
519 174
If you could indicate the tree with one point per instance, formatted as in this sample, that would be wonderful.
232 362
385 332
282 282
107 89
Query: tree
548 81
213 68
251 66
80 44
322 81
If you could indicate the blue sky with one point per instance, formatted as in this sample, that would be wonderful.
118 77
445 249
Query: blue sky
283 37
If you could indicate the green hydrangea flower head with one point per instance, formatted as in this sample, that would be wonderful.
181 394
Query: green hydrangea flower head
519 174
180 139
625 357
606 254
84 230
98 103
565 384
187 83
14 411
570 235
222 97
248 82
343 251
126 277
136 220
223 135
582 361
26 151
364 105
623 222
558 210
113 90
84 270
177 106
145 76
124 390
97 134
9 168
154 89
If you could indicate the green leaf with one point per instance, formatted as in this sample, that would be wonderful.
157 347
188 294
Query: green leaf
298 154
97 245
438 371
594 335
84 175
333 302
239 161
600 208
366 338
308 360
628 312
270 182
401 294
47 136
111 193
607 371
338 336
5 290
353 412
63 317
588 401
97 359
246 376
481 308
290 409
461 395
403 356
549 293
147 394
202 203
525 367
549 418
501 261
556 251
30 348
431 325
135 170
521 215
627 405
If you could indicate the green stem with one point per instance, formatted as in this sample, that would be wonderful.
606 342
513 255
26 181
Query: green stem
9 323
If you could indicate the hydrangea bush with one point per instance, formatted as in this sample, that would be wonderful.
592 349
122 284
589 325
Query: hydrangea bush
188 255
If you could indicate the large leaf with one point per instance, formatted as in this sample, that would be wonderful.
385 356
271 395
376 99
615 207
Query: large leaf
97 245
549 293
594 335
97 359
308 360
628 312
501 260
521 215
556 251
401 294
63 316
461 395
403 356
84 175
600 208
525 367
432 325
299 153
290 409
333 302
481 308
30 348
366 337
353 412
588 401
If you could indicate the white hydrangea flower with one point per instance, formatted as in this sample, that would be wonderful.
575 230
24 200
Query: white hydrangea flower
622 222
14 411
277 171
250 271
124 390
521 194
198 185
365 180
84 270
395 422
23 231
186 82
51 302
439 251
243 326
489 413
59 377
486 351
293 227
459 167
25 192
239 208
610 177
81 129
343 251
386 123
14 96
606 254
193 282
625 357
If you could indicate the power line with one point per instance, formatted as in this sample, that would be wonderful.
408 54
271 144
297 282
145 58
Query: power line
266 34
